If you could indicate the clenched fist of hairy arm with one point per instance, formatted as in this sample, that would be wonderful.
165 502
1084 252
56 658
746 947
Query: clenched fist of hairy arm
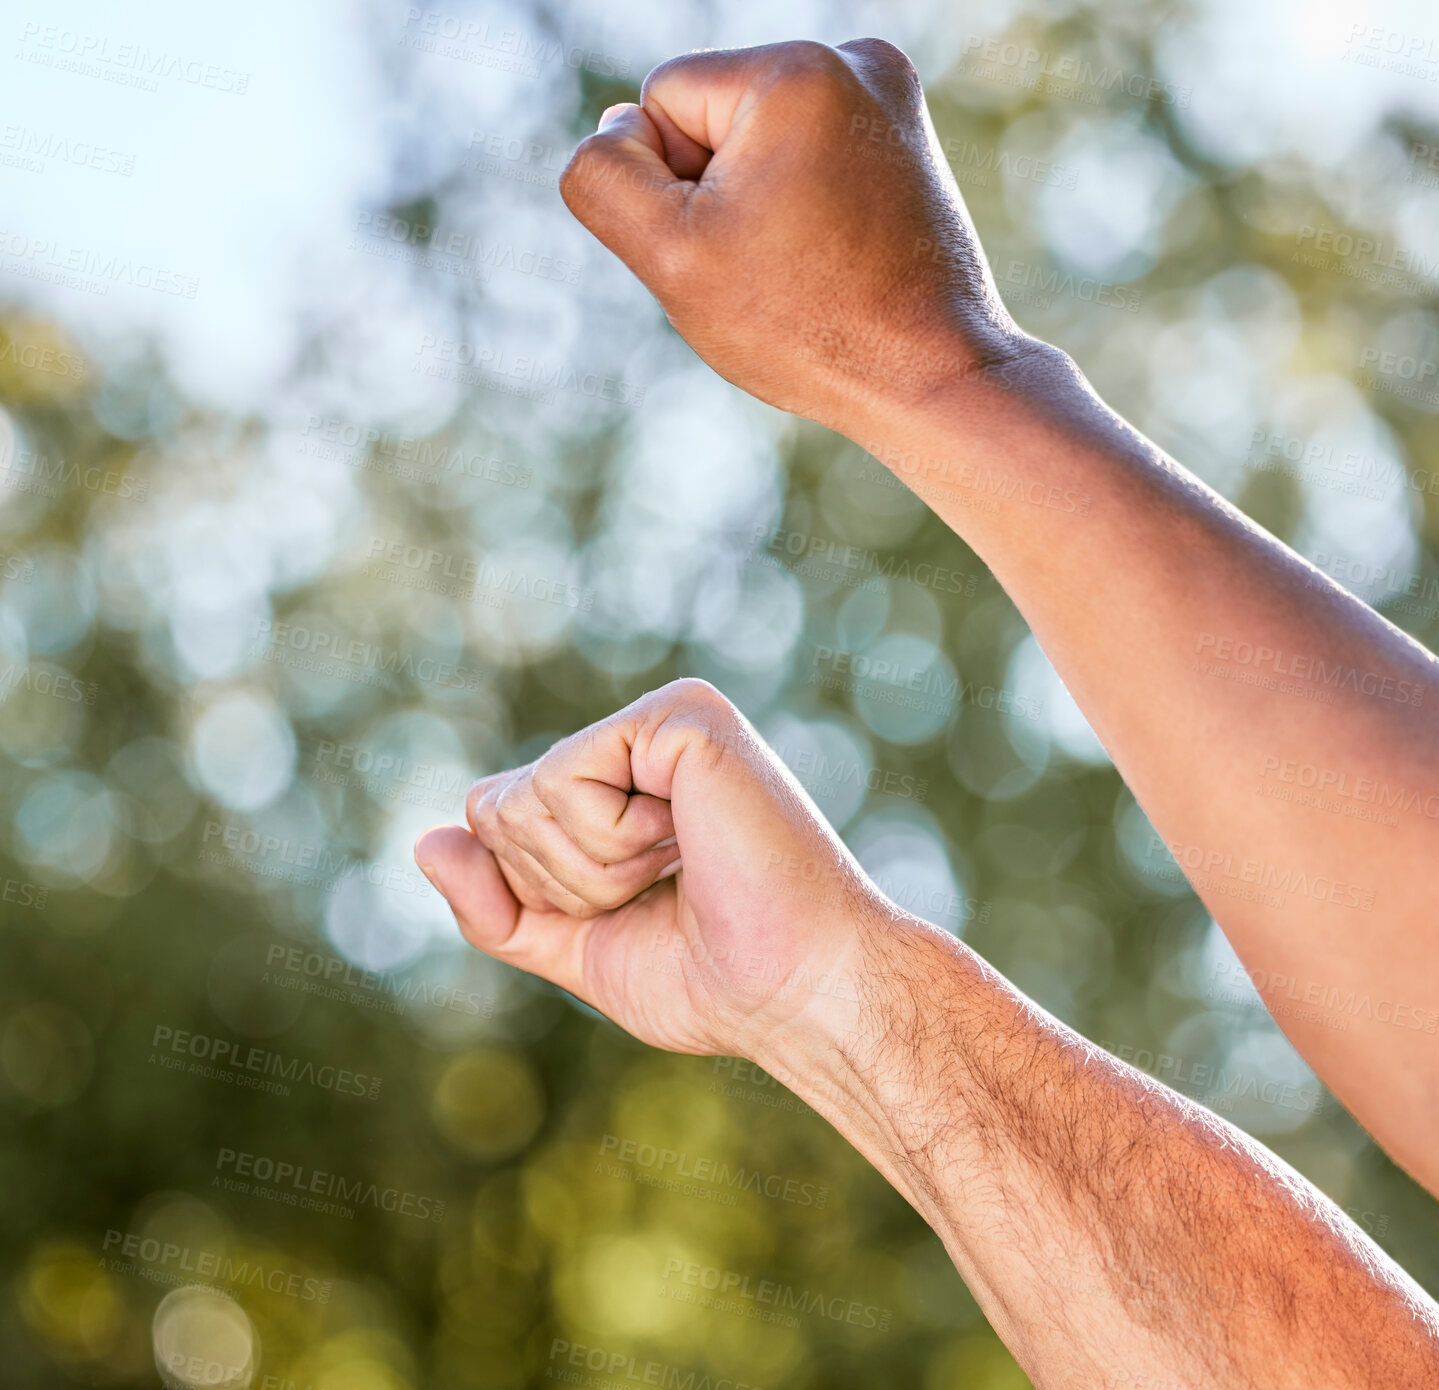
665 867
573 871
791 210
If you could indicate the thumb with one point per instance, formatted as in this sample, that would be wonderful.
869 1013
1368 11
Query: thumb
548 944
618 185
469 877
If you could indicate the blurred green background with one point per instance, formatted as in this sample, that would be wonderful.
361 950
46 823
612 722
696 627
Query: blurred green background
339 467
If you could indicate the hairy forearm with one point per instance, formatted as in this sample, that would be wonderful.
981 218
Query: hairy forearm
1224 674
1110 1229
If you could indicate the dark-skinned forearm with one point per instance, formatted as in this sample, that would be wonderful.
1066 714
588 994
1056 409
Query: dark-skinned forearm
1215 664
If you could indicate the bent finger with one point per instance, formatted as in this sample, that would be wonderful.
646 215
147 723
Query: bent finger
599 885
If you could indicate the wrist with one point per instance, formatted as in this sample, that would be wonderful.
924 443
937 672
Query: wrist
961 371
992 438
851 1052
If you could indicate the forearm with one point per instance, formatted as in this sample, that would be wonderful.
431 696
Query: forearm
1107 1226
1223 673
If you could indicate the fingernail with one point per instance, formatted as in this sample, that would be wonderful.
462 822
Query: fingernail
673 840
668 870
426 866
610 113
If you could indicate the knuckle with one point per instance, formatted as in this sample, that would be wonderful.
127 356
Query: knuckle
609 894
710 713
711 708
488 833
549 779
477 790
881 52
509 809
816 83
478 805
669 267
801 56
697 691
584 169
671 67
602 844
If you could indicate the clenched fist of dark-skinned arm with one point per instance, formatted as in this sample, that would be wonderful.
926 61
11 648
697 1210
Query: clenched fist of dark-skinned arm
788 207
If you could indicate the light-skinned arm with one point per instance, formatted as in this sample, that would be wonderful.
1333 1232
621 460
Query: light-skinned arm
791 210
1114 1233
